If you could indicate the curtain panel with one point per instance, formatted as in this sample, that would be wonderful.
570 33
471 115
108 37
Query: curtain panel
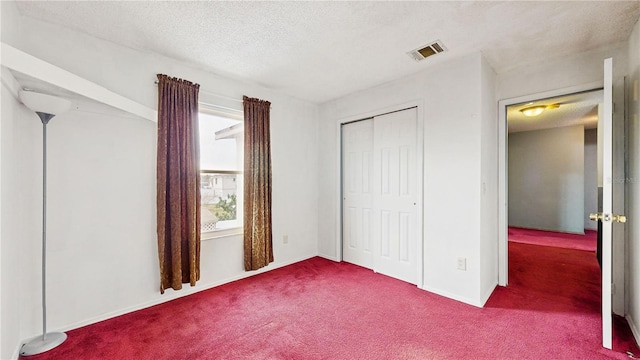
178 183
258 243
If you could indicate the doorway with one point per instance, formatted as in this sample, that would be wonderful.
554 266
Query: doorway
613 190
552 163
618 187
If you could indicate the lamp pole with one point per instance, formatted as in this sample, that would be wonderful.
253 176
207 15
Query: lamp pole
36 102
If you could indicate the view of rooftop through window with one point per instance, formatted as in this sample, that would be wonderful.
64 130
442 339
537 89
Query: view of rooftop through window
221 162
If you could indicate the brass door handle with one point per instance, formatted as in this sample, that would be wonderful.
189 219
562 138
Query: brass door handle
619 218
607 217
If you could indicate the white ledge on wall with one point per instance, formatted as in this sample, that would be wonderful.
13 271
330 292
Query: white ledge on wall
10 82
30 65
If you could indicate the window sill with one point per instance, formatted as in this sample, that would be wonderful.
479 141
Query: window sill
216 234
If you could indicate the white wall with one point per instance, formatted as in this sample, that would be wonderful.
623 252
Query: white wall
21 218
633 186
546 179
102 240
489 184
20 208
454 116
9 252
590 177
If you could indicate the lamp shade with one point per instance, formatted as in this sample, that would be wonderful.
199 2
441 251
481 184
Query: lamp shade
44 103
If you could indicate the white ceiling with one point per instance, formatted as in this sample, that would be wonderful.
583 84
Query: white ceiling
574 109
322 50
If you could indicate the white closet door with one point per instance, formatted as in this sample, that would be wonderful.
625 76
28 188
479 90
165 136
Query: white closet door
379 188
357 193
395 195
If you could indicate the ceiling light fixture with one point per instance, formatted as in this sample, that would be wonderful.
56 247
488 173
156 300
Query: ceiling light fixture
533 110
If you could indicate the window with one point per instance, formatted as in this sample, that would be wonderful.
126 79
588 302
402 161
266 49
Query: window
221 178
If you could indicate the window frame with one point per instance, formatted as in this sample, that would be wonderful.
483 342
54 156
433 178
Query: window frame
233 114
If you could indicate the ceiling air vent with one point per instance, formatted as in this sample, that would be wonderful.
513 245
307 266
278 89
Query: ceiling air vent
424 52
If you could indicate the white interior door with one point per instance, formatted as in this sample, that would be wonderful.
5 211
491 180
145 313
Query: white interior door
395 198
607 217
357 193
611 190
379 187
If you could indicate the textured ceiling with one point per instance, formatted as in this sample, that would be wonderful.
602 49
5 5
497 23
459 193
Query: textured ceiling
575 109
322 50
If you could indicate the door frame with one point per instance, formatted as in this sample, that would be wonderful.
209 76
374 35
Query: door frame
419 105
503 200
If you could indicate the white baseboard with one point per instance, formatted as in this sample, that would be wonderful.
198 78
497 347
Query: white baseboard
453 296
485 297
634 329
171 296
332 258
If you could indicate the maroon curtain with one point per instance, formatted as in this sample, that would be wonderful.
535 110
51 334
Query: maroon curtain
178 175
258 244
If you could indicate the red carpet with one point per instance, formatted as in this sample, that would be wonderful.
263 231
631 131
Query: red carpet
319 309
549 238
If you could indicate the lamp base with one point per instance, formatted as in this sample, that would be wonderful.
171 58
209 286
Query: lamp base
43 343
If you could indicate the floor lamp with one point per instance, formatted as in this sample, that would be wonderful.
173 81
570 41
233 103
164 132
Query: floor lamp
46 106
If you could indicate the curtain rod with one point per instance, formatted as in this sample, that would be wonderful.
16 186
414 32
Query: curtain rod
218 107
213 94
221 97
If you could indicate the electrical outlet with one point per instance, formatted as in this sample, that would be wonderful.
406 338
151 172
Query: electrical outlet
285 239
462 264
